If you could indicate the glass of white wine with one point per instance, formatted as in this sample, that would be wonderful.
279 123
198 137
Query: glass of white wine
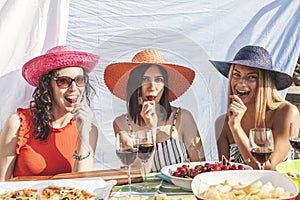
261 144
127 151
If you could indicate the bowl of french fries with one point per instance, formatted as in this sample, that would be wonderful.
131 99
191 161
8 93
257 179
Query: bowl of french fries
246 185
292 169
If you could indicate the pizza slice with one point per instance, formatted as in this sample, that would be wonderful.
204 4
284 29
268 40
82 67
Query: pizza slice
22 194
65 193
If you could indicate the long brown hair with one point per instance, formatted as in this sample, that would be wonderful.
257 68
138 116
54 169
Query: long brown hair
134 91
41 105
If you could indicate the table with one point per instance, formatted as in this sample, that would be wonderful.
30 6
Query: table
160 186
119 192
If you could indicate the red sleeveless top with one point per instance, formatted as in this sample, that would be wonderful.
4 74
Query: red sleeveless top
44 158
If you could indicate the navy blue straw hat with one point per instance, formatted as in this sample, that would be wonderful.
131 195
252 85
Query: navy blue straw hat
257 57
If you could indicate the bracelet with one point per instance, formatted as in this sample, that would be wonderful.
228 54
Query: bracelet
81 157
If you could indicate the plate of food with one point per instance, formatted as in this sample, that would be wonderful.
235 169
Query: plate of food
248 184
182 174
79 188
292 169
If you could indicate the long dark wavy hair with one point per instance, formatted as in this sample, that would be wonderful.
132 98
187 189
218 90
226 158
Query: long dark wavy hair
134 91
41 105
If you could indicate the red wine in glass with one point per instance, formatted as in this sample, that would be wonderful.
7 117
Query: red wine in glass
261 145
295 138
261 154
295 142
145 151
126 152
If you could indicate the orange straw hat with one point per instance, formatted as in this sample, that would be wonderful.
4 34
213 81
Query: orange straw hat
116 75
55 58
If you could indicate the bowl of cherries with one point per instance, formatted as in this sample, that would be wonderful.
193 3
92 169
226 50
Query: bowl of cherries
182 174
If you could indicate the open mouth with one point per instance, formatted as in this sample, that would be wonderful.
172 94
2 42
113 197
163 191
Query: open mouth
151 97
242 93
71 99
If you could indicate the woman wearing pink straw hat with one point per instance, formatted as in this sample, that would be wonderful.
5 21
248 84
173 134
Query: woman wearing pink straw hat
148 84
56 134
254 102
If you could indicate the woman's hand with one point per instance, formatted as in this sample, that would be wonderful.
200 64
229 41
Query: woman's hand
236 111
83 117
148 113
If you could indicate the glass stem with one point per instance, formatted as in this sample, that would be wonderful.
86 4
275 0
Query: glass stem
129 180
144 168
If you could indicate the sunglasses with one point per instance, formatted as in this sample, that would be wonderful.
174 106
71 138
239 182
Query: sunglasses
64 82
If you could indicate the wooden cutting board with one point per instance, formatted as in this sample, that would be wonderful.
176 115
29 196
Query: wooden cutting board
112 174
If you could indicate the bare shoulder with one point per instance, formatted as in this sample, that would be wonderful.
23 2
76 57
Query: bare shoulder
11 126
120 123
287 109
120 118
186 114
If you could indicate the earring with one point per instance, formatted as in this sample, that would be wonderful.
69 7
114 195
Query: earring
140 100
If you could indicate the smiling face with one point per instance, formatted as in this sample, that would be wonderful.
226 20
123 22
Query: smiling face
66 98
153 84
244 82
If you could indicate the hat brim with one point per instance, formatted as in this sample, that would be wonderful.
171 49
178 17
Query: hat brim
36 67
282 80
116 76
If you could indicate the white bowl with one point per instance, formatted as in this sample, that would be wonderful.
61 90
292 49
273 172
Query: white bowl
185 183
247 177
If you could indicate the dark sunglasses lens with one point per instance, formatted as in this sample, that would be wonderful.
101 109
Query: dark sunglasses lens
63 82
80 81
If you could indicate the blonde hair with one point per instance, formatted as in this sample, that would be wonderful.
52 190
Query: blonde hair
267 96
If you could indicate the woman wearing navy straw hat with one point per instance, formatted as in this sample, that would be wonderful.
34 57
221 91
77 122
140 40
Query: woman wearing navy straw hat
254 101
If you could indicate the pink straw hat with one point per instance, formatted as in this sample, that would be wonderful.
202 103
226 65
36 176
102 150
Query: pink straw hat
116 75
55 58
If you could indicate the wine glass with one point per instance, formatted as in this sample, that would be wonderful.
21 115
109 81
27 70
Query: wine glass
261 145
126 150
294 133
146 145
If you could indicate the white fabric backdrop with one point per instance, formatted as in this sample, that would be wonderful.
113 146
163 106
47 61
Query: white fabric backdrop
186 32
27 29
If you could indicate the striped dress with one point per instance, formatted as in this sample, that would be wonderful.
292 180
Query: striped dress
170 151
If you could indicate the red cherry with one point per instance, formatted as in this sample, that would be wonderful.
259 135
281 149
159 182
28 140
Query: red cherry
198 167
234 167
177 174
225 167
193 173
207 165
241 167
204 169
217 168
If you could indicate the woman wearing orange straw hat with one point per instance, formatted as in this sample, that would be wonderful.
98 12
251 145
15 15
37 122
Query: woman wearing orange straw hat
148 84
56 134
